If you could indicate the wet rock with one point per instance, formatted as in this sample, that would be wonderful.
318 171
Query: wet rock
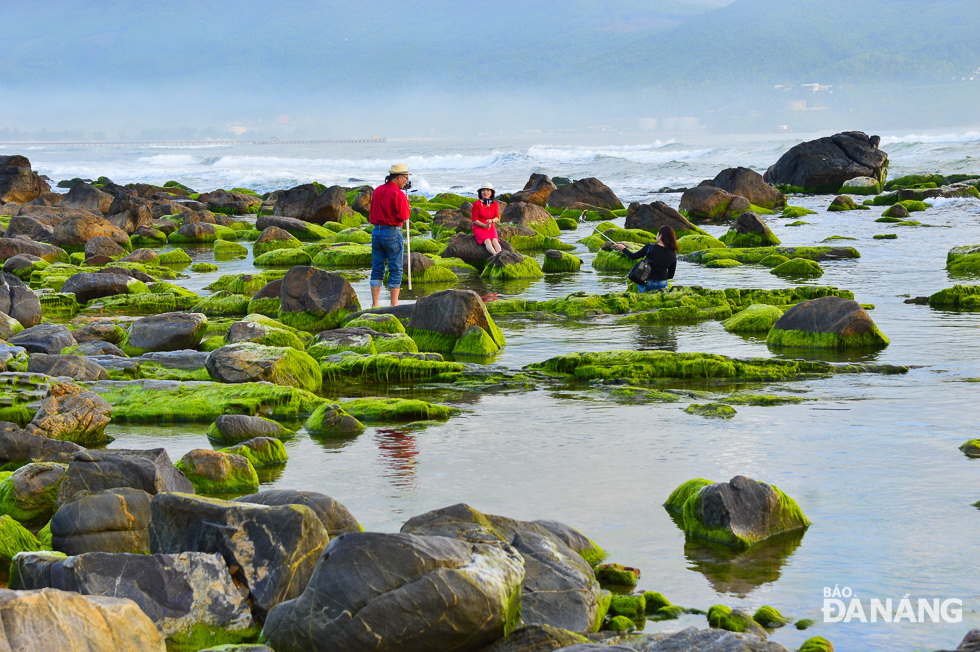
21 261
297 228
537 190
827 322
48 619
313 203
103 246
373 591
650 217
35 227
692 639
336 518
74 366
111 520
104 331
43 338
271 550
524 214
442 318
141 256
98 348
325 297
741 512
588 191
29 494
465 247
97 470
10 247
18 182
178 592
232 203
236 428
249 362
845 203
712 204
95 285
559 587
171 331
749 184
82 195
749 230
824 164
19 301
18 445
217 473
75 231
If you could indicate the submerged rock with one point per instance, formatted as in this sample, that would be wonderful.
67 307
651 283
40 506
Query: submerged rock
740 513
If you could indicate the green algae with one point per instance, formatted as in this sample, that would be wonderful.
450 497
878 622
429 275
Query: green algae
220 473
798 223
756 318
711 410
527 268
796 212
283 258
58 306
201 268
384 369
809 340
203 402
621 624
567 263
612 261
971 448
769 617
722 617
798 267
761 399
756 254
816 644
260 452
395 410
630 606
352 255
174 257
306 320
222 304
214 434
380 322
616 575
735 239
914 180
14 538
355 235
958 296
885 236
697 242
720 263
229 249
31 508
330 420
138 304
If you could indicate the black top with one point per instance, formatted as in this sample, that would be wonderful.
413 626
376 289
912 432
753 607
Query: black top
662 259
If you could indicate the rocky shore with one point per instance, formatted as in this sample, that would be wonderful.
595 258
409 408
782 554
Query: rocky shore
118 549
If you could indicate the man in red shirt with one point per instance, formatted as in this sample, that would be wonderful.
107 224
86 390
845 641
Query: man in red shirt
389 211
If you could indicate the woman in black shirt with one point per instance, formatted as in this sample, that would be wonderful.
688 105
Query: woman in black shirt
662 255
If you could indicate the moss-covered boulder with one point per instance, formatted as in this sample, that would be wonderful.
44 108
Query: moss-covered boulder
556 261
616 575
222 304
845 203
218 473
266 331
202 402
273 238
630 606
261 452
749 230
442 322
734 620
314 300
769 617
826 323
740 513
711 410
861 186
964 259
249 362
757 318
30 492
229 249
238 428
508 266
14 538
380 322
283 258
344 255
696 242
330 420
387 369
708 203
611 260
394 410
360 339
971 448
798 267
958 296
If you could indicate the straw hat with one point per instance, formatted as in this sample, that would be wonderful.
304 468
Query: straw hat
486 186
399 168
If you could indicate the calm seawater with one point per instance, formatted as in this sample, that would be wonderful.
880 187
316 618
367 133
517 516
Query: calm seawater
871 459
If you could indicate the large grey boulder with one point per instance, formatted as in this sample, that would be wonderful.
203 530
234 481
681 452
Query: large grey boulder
10 247
826 322
335 517
708 203
559 587
97 470
749 184
749 230
465 247
401 592
170 331
74 366
19 301
824 164
18 445
650 217
238 428
452 312
82 195
317 292
271 550
49 619
536 191
95 285
178 592
313 203
19 184
584 192
111 520
248 362
43 338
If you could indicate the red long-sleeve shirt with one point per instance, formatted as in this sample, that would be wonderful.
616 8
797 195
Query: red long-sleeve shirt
389 205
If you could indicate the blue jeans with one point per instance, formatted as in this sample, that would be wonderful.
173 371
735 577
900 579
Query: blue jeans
651 286
386 246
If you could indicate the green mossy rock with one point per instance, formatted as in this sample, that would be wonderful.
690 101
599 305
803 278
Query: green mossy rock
385 369
885 236
355 235
722 617
621 624
58 306
259 248
562 262
138 304
202 402
713 410
914 180
774 260
816 644
380 322
217 473
395 410
798 223
247 284
958 296
739 513
612 261
526 268
804 623
352 255
615 575
756 254
269 307
283 258
769 617
631 606
174 257
202 268
845 203
260 451
281 365
696 242
762 399
798 267
330 420
567 223
238 435
722 262
964 259
148 237
796 212
229 249
222 304
912 205
971 448
475 342
29 494
14 538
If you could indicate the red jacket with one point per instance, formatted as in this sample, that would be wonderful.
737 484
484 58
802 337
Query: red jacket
484 213
389 205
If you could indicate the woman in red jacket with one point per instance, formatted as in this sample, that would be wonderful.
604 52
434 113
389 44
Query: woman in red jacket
486 213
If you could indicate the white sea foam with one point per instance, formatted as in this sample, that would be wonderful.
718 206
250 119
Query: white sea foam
968 137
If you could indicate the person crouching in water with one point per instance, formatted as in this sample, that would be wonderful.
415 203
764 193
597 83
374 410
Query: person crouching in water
486 212
662 255
389 211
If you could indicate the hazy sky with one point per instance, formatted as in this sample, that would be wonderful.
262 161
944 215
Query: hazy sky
421 67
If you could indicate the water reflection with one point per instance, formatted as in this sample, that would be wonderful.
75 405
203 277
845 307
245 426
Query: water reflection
398 450
333 444
739 572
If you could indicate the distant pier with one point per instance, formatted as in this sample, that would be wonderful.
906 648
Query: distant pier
187 143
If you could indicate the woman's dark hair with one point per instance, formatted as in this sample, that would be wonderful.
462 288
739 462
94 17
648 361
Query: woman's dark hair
668 238
479 193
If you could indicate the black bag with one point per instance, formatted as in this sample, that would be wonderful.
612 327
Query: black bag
641 271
